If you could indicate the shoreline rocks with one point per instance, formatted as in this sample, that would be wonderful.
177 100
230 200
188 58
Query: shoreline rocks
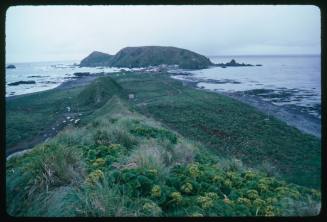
21 82
38 76
80 74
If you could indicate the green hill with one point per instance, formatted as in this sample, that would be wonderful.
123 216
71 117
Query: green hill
150 56
96 59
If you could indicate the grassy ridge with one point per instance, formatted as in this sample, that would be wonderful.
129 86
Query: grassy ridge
28 116
228 127
121 163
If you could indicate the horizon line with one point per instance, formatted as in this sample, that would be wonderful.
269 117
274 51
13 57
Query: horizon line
221 55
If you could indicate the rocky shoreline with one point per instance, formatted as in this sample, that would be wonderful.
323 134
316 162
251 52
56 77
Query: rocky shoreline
304 122
291 116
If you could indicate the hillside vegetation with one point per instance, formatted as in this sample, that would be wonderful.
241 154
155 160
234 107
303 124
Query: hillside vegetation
148 56
228 127
118 162
96 59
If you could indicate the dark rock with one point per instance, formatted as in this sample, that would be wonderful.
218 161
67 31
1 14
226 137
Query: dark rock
182 73
49 82
11 67
221 81
232 63
80 74
36 76
258 65
21 82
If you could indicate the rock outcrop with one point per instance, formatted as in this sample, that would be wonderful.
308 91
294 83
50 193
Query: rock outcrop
233 63
21 82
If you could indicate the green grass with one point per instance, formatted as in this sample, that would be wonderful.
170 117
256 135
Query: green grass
228 127
28 116
157 155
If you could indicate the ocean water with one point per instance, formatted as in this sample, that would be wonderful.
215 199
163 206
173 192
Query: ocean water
283 80
47 75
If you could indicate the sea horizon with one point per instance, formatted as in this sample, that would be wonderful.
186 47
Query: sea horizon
222 55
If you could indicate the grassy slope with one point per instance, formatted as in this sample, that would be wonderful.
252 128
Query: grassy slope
121 163
228 127
27 116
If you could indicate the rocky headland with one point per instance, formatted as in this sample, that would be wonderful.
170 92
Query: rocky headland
145 56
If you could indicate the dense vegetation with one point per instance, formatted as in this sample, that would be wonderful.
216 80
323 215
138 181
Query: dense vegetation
27 116
149 56
96 59
228 127
118 162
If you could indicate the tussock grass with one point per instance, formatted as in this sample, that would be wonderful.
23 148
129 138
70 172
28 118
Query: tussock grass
32 176
104 200
149 155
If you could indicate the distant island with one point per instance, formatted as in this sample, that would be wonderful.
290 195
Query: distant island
144 56
11 67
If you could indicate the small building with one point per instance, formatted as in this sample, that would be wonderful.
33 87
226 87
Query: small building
131 96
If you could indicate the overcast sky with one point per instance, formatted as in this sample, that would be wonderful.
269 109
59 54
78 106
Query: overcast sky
54 33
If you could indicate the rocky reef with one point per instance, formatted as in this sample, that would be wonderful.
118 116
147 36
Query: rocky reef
21 82
233 63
